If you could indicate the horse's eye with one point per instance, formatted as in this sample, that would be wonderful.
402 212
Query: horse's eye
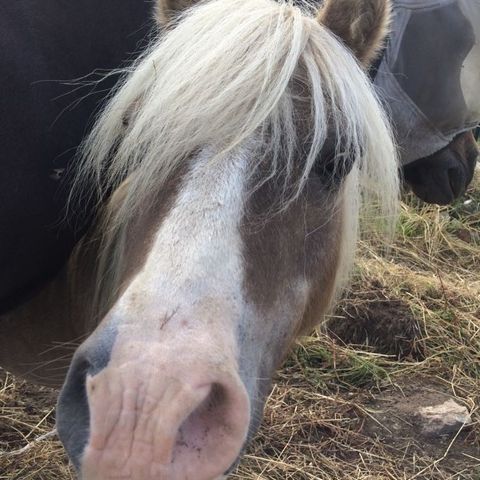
333 166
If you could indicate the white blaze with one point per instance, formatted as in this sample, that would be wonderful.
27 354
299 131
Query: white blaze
194 269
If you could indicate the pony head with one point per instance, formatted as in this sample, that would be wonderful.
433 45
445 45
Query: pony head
239 149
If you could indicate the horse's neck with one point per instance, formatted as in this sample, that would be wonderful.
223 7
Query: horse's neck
38 339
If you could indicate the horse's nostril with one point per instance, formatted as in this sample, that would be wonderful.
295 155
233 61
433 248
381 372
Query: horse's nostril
73 416
207 421
73 413
456 179
213 434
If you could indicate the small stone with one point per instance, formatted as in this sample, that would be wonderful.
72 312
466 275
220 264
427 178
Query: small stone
446 418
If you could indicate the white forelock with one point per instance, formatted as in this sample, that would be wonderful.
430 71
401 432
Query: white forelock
223 74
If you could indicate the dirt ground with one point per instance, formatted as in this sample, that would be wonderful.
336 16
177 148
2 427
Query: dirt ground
406 335
394 423
362 429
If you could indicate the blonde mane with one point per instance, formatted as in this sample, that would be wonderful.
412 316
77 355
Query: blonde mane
222 74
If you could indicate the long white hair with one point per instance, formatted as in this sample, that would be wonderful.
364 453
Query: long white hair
223 73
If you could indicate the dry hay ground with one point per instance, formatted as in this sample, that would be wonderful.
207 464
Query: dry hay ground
342 407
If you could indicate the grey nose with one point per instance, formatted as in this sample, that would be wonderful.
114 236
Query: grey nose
73 416
437 179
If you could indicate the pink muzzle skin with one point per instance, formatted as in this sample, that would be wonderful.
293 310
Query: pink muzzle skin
153 419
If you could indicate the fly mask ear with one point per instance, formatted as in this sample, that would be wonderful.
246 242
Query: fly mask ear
361 24
167 10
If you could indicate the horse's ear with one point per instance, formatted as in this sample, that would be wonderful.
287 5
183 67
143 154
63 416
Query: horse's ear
167 10
361 24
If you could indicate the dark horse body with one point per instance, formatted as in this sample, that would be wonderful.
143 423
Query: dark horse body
44 116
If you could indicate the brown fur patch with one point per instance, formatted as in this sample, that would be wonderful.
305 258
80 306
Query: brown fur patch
361 24
167 10
301 243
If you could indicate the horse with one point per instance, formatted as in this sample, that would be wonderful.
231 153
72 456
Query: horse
54 59
428 79
229 169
